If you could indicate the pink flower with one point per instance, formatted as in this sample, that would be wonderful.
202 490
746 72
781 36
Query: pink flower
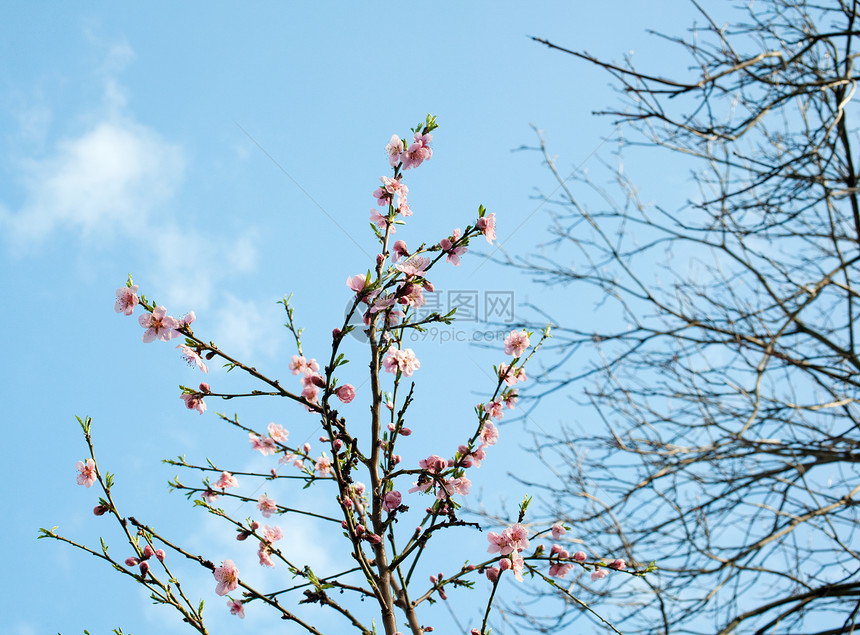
192 358
489 433
399 251
265 445
434 464
264 552
558 531
418 152
518 536
381 221
346 393
454 253
487 226
516 343
415 266
158 325
356 282
236 608
87 471
278 433
494 409
511 375
267 506
194 401
511 400
559 570
403 361
126 300
518 565
598 574
391 501
272 534
323 465
226 480
227 576
394 149
300 365
209 496
618 564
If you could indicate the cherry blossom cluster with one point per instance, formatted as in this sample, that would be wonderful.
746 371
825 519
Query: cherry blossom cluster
386 298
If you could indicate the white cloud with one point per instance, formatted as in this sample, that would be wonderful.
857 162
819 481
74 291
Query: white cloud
245 327
103 184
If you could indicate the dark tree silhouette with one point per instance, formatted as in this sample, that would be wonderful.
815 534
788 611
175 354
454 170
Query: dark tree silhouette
720 360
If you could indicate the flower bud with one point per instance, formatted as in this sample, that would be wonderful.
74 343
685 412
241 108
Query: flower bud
618 564
144 567
100 510
505 564
405 431
338 444
204 388
255 525
579 556
428 286
335 333
148 552
130 562
159 553
395 458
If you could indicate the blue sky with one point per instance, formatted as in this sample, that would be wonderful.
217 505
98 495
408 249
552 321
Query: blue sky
135 140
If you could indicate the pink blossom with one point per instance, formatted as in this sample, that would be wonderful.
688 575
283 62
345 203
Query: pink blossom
311 393
417 152
356 282
278 432
453 253
511 375
226 480
299 364
558 531
87 471
415 266
487 226
158 325
511 400
399 251
227 576
194 401
126 300
192 358
267 506
598 574
391 501
209 496
579 556
272 534
346 393
434 464
518 536
403 360
489 433
618 564
518 565
404 209
236 608
381 221
460 485
265 445
264 552
494 409
516 343
394 149
559 570
323 465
